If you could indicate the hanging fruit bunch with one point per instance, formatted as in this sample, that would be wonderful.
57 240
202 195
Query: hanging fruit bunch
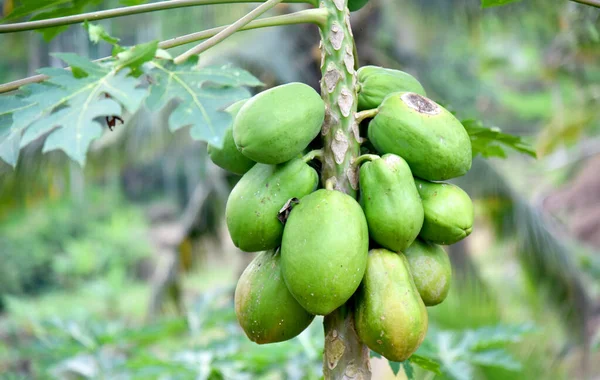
320 247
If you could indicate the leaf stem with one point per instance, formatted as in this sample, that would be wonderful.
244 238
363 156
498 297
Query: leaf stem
330 183
119 12
222 35
309 16
366 114
592 3
317 153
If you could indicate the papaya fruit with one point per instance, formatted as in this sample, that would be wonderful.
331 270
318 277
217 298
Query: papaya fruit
354 5
391 202
275 125
324 250
431 140
376 83
253 204
448 212
229 157
390 316
431 271
264 306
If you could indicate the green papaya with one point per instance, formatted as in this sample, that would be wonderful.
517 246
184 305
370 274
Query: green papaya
255 201
324 250
376 83
354 5
448 212
264 306
390 316
229 157
389 198
277 124
432 141
431 270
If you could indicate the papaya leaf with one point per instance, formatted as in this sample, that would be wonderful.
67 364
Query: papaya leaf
460 352
490 142
395 366
97 33
495 3
426 363
408 370
68 108
203 95
133 58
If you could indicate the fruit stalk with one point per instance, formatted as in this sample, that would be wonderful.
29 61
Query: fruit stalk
345 356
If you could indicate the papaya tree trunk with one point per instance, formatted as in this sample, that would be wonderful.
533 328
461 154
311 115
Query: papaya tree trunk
345 356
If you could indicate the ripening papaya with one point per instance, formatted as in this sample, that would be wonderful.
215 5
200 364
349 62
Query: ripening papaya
275 125
354 5
264 306
389 198
448 212
324 250
390 316
376 83
229 157
255 201
432 141
431 271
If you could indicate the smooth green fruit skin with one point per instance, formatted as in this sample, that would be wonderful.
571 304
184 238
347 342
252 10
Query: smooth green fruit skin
229 157
448 212
254 202
376 83
354 5
277 124
391 202
390 316
324 250
434 143
264 306
431 270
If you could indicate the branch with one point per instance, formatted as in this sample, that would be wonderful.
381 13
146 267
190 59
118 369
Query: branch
219 37
310 16
592 3
119 12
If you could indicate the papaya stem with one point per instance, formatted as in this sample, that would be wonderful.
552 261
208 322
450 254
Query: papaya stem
309 16
317 153
344 356
120 12
225 33
365 157
366 114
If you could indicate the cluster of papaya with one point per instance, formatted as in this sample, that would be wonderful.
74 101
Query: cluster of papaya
320 248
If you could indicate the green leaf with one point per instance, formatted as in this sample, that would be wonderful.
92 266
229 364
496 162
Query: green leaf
395 366
408 370
426 363
459 352
97 33
495 3
490 142
496 358
203 95
136 56
69 108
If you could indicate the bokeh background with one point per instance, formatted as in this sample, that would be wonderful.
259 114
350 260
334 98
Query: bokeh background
94 282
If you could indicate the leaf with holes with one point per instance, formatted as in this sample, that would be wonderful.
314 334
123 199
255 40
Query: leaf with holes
203 95
67 108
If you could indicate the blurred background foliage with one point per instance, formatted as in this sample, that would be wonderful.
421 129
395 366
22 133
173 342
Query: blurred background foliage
92 284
